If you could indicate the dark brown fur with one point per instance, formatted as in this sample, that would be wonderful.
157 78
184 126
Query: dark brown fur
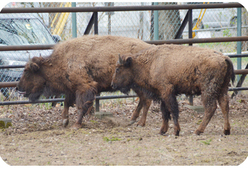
162 72
80 68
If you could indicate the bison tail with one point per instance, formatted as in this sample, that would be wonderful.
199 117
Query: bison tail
230 69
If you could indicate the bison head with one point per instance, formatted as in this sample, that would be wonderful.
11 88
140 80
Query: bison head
32 82
123 77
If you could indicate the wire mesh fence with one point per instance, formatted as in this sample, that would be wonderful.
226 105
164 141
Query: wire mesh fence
49 28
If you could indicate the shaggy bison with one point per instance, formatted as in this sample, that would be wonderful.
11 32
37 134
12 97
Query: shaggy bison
162 72
80 68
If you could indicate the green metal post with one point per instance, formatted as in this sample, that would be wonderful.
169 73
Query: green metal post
239 21
74 21
155 23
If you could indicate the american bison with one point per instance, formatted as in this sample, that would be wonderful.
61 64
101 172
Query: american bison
80 68
162 72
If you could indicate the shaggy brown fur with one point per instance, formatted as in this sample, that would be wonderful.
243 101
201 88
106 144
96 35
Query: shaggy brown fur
80 68
162 72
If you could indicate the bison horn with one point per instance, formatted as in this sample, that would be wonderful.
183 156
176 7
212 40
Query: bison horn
120 60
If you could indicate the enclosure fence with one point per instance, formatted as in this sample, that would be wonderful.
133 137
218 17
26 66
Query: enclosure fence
214 25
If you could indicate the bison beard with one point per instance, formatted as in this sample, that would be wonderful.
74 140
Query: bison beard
125 90
34 96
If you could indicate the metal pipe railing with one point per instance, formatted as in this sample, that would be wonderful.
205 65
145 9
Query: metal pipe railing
14 84
119 8
156 42
62 100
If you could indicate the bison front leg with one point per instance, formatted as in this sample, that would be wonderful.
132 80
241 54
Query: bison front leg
69 101
146 105
143 103
84 101
136 112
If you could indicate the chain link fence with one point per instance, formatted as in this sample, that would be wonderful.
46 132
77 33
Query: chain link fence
48 28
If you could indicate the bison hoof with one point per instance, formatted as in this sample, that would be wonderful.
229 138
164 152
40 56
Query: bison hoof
65 122
227 132
197 132
140 124
161 132
131 122
76 126
176 133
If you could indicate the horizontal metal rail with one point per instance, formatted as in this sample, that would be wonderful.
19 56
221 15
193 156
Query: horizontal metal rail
238 89
236 55
22 66
11 66
119 8
14 84
241 71
8 84
157 42
26 47
199 40
62 100
97 97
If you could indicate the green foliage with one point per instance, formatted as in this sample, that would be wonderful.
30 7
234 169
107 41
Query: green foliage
111 139
199 122
227 33
2 125
207 142
8 124
93 121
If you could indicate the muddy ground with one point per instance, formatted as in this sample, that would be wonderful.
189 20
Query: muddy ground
38 138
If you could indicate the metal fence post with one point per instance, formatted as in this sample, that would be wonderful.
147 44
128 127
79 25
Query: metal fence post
239 20
156 23
95 23
190 37
96 32
74 21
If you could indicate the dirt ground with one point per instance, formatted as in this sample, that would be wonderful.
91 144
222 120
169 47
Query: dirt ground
38 138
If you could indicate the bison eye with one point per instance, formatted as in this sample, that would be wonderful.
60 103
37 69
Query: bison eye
117 70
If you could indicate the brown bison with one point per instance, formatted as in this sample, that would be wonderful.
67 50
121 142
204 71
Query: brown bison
162 72
80 68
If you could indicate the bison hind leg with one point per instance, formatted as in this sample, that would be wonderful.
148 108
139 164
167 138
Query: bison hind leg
166 117
172 105
84 101
223 101
210 105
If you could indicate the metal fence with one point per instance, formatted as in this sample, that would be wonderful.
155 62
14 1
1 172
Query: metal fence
144 20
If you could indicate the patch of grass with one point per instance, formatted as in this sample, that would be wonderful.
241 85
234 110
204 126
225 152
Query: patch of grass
111 139
207 142
93 121
199 122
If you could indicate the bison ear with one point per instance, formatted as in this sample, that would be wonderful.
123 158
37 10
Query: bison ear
38 60
128 62
34 67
